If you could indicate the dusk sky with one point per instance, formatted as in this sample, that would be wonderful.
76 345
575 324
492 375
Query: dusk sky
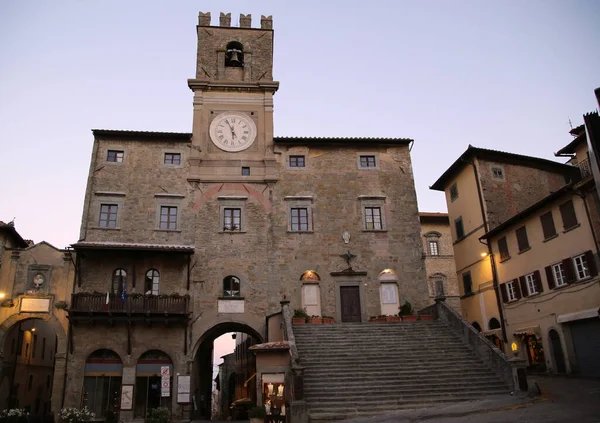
507 75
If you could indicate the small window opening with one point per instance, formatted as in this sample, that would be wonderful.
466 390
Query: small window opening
234 56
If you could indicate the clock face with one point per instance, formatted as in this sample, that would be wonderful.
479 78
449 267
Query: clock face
232 131
38 280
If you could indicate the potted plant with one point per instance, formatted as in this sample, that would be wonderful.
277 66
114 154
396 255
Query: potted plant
300 316
14 415
426 316
380 318
394 318
159 415
257 414
315 320
75 415
328 319
406 311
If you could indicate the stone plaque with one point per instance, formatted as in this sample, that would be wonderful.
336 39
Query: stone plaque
183 389
231 306
311 293
388 293
35 305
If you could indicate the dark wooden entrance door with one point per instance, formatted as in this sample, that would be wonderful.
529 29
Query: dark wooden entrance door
350 303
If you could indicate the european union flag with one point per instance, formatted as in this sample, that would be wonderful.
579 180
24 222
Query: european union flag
124 293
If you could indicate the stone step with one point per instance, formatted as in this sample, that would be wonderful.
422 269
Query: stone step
384 354
357 391
329 385
373 367
424 375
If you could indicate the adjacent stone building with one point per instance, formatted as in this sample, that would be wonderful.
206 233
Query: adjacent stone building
186 236
439 258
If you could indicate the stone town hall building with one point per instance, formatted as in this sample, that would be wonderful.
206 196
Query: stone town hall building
187 236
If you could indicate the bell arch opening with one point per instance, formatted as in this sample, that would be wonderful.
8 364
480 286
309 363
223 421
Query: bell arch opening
223 362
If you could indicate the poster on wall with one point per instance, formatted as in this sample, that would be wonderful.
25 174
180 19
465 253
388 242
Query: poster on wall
183 389
126 397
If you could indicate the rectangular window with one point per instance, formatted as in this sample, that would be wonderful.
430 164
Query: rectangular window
582 269
232 219
168 218
172 158
453 192
434 248
43 348
511 291
503 248
296 161
467 283
245 171
567 212
299 218
548 225
530 282
367 161
108 215
115 156
560 278
460 230
497 173
522 240
373 218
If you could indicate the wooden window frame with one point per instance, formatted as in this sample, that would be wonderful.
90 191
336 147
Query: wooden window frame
296 219
115 156
585 269
367 161
433 247
228 290
369 213
453 192
467 276
231 222
497 173
152 281
511 291
296 160
106 216
458 221
171 223
559 275
569 220
522 239
172 159
503 249
548 226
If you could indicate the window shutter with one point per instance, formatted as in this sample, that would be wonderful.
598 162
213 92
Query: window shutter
538 281
504 293
591 261
523 285
569 270
550 277
517 288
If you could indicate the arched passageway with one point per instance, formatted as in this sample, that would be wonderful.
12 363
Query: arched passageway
27 373
233 381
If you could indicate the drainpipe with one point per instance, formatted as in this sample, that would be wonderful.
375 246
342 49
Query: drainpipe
587 213
489 246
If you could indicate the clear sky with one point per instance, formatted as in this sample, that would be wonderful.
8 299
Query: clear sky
503 74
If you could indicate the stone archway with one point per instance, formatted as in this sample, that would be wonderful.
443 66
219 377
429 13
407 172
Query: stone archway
33 355
203 367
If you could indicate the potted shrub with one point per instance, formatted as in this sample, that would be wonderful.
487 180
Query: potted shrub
14 415
380 318
315 320
159 415
75 415
406 311
394 318
257 414
428 316
373 319
300 316
328 319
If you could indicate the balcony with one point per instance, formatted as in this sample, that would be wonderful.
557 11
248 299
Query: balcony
136 307
584 168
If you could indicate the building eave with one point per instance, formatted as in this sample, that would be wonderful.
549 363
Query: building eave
341 140
141 135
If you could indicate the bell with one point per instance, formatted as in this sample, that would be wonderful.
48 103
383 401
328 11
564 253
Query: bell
234 59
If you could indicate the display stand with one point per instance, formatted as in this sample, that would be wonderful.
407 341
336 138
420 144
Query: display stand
274 402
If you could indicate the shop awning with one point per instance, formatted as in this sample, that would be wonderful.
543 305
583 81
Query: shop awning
529 330
496 332
590 313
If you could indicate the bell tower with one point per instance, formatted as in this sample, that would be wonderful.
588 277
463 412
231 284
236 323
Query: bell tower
233 101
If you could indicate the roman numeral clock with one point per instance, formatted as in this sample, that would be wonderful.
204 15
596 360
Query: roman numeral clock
232 131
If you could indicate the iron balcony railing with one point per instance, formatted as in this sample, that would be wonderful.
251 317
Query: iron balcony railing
84 302
584 168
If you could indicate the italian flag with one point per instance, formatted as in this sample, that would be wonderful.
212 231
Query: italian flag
107 299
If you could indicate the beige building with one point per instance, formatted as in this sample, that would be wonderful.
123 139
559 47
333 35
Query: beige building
439 258
484 188
186 236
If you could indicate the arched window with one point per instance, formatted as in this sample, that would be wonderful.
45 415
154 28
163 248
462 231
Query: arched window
152 280
231 286
119 281
310 275
476 326
234 55
494 323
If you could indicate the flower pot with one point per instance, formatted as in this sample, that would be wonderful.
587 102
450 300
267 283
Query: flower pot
392 318
257 420
298 320
427 317
380 319
315 320
328 320
409 318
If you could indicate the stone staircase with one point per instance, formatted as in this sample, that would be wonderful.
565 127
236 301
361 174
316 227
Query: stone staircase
365 369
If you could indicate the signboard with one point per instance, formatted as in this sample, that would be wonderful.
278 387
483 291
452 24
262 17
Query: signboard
165 381
35 305
231 306
126 397
183 389
388 293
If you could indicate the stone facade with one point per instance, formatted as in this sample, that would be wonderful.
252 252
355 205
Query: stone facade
439 258
354 200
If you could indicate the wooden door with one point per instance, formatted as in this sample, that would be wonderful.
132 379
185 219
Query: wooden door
350 303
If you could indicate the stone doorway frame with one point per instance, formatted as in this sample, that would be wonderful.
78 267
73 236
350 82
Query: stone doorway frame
353 281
